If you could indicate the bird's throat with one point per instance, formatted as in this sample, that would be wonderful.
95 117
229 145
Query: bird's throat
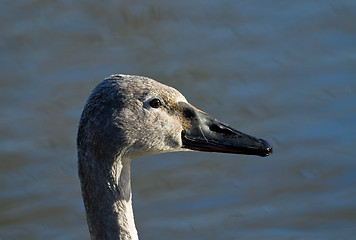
106 190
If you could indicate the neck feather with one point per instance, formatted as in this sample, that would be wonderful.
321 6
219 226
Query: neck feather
106 190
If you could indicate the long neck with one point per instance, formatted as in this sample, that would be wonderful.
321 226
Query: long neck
106 191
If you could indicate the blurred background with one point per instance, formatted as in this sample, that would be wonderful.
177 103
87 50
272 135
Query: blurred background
281 70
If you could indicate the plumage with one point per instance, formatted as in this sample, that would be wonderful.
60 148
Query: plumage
129 116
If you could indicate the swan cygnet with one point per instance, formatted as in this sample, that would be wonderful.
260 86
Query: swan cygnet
129 116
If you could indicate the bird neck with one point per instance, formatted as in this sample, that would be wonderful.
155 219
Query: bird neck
106 190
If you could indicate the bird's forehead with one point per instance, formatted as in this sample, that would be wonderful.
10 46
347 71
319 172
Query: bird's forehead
150 88
170 95
143 89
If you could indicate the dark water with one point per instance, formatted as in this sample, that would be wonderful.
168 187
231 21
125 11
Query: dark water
282 70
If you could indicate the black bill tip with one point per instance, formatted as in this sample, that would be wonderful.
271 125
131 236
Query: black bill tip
268 150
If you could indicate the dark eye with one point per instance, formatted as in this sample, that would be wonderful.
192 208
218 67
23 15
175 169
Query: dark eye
155 103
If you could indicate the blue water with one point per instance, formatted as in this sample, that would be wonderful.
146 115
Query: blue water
281 70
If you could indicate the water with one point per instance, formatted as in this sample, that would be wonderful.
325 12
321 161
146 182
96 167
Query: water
284 71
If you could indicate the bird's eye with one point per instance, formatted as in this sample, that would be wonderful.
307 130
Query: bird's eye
155 103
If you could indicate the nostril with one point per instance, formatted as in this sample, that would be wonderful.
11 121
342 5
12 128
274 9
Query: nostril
214 128
220 129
